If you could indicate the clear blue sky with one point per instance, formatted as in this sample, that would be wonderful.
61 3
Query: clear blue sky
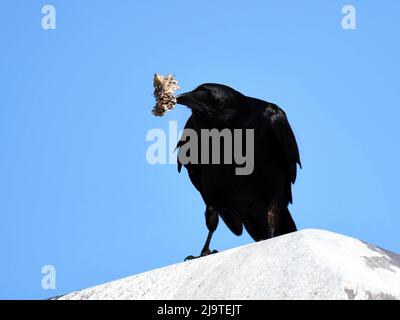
76 191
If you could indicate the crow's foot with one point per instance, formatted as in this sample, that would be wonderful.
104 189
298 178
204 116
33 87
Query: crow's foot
202 254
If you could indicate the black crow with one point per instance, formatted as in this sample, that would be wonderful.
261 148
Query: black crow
257 199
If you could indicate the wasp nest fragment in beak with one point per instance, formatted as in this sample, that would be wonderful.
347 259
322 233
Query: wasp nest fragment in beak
164 92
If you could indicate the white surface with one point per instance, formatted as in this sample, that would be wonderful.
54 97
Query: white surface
309 264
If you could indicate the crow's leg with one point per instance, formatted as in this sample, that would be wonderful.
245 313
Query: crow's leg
206 249
212 219
212 223
272 221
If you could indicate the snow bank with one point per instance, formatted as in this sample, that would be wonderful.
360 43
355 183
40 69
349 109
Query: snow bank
309 264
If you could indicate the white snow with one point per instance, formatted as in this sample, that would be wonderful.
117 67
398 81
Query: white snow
308 264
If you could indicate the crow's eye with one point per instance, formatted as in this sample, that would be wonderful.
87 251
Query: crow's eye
218 103
203 93
202 89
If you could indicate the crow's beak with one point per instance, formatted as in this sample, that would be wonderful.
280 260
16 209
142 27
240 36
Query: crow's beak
186 99
193 99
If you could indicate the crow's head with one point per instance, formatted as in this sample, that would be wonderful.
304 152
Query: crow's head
212 100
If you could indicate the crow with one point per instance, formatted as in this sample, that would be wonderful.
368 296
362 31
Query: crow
258 200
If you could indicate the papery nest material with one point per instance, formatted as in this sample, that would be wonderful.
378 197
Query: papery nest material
164 92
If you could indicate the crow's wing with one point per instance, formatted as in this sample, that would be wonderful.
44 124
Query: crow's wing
193 169
278 121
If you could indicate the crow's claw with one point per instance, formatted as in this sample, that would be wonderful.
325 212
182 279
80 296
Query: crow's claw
202 254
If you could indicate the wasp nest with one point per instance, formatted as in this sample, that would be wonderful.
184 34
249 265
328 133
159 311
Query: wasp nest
164 92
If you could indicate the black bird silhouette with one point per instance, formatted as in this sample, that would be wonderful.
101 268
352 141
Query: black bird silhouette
259 200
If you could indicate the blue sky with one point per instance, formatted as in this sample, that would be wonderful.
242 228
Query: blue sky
76 191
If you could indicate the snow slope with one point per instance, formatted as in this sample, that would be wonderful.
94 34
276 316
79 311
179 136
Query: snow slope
309 264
